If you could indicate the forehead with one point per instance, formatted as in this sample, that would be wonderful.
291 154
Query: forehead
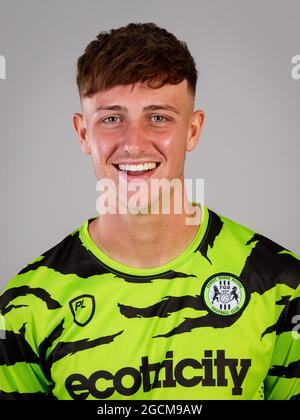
140 95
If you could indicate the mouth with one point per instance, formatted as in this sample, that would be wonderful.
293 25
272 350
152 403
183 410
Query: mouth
137 171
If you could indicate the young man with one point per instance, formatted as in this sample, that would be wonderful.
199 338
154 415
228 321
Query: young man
141 304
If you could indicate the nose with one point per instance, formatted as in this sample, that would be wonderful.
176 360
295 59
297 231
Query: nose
135 142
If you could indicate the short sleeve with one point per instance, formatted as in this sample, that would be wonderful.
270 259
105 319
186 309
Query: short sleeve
283 379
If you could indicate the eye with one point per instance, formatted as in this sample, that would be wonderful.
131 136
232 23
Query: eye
158 118
113 119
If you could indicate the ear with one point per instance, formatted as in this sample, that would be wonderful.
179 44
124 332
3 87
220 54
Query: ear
194 129
81 130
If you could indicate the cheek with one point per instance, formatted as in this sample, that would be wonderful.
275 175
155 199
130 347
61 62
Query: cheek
100 153
173 146
101 147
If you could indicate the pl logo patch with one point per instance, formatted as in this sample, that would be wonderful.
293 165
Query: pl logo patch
224 294
83 309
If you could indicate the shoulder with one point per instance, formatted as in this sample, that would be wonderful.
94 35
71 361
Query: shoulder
60 256
263 258
247 236
53 257
36 277
65 264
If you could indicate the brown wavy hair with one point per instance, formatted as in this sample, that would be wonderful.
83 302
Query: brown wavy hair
138 52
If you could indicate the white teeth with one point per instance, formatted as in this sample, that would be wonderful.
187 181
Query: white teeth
140 167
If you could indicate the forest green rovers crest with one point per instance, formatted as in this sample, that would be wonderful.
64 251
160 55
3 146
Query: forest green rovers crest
224 294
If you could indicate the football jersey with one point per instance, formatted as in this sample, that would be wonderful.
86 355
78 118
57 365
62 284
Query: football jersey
219 321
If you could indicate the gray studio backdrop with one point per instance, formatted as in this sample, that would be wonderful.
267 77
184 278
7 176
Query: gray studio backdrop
249 150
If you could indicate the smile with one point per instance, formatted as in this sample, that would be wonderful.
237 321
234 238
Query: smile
137 171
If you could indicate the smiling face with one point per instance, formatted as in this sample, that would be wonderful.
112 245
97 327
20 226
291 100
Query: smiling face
139 125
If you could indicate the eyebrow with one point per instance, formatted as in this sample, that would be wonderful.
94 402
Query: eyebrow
153 107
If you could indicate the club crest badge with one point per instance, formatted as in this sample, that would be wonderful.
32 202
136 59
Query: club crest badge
82 308
224 294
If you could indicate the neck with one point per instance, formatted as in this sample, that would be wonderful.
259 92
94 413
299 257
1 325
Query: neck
145 240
